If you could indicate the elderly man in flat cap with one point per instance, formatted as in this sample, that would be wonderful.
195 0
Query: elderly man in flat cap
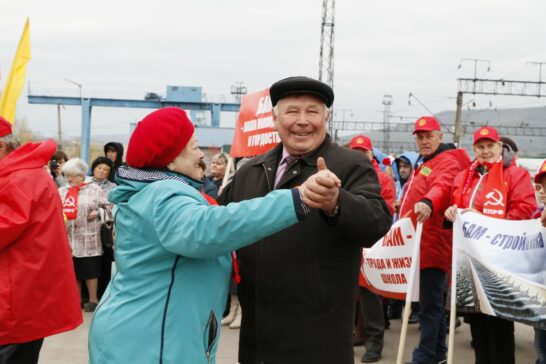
298 286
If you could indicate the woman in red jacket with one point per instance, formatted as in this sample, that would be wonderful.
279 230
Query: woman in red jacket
494 186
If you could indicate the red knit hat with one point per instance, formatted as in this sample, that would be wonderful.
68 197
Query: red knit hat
486 132
159 138
360 142
426 123
5 127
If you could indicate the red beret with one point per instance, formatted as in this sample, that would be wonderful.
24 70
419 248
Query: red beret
486 132
360 142
5 127
159 138
426 123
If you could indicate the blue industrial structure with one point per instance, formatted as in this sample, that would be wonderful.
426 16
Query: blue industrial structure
185 97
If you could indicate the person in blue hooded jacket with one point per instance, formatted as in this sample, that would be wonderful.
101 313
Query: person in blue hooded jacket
173 248
403 166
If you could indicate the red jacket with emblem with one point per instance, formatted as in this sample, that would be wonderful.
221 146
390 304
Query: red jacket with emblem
38 292
521 202
388 189
432 181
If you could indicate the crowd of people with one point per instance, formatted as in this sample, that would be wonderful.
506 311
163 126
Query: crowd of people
274 250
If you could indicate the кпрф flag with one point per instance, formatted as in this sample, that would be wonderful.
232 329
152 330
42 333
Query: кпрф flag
16 79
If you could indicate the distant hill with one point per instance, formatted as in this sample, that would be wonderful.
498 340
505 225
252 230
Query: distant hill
532 145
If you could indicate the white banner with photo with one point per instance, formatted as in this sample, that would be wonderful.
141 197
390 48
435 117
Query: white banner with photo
501 267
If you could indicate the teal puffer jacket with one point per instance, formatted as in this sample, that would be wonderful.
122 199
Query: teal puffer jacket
168 294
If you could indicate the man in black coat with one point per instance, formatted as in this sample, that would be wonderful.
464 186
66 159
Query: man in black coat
298 286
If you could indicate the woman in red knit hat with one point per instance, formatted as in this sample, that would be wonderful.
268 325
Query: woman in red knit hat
173 248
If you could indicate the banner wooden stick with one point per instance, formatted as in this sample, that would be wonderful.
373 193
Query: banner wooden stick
230 166
453 304
409 292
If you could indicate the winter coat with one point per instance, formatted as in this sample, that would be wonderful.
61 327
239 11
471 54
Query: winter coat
521 202
38 292
387 186
298 286
84 235
431 183
210 188
119 159
173 260
106 185
410 158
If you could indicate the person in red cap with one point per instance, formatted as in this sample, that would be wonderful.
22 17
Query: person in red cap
38 293
173 248
493 185
371 304
427 196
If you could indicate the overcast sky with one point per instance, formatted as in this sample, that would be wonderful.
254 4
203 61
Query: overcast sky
127 48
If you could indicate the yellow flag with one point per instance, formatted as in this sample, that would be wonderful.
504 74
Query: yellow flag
16 79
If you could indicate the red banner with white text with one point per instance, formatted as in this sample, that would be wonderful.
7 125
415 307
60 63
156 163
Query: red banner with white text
254 133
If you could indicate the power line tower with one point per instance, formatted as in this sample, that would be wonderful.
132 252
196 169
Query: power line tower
326 62
478 86
387 102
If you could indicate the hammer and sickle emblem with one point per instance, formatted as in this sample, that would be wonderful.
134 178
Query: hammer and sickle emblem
69 202
422 122
494 198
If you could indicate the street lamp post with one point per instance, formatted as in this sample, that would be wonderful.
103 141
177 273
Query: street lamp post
86 123
80 86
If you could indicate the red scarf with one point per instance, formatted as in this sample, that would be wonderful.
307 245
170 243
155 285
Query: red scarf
70 203
495 198
235 272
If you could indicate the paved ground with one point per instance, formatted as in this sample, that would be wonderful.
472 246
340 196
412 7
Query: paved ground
71 347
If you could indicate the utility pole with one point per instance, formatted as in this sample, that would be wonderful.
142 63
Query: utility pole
458 133
326 61
387 102
238 89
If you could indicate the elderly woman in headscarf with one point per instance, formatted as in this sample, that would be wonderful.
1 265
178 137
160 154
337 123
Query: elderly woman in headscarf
100 170
81 204
495 186
173 248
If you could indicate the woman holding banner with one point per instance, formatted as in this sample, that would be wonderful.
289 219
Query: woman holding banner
493 186
172 247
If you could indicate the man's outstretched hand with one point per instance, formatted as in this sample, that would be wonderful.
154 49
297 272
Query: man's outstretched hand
321 190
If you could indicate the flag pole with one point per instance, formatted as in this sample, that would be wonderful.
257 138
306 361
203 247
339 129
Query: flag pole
229 168
411 282
453 305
